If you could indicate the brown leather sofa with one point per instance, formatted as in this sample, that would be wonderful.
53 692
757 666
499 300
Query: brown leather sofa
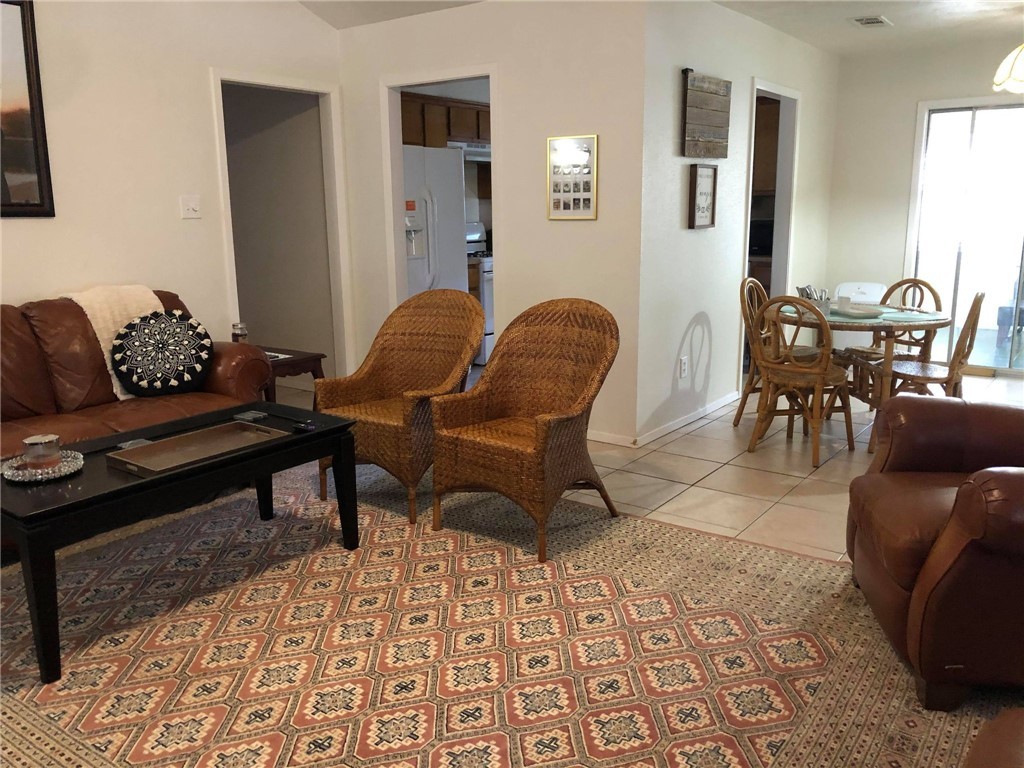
936 534
54 380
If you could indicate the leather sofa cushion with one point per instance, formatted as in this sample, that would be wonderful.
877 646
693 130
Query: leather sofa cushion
126 415
25 388
70 427
109 418
901 514
78 370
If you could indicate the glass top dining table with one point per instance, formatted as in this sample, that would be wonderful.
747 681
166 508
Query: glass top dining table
888 322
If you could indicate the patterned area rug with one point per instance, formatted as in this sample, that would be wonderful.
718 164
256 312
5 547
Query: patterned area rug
219 640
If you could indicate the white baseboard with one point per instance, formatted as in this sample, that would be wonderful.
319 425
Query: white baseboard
672 426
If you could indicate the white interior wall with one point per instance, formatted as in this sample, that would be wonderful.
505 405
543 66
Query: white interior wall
129 117
689 282
555 70
874 149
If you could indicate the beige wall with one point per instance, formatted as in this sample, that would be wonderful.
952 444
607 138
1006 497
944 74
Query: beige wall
874 152
689 279
130 125
275 167
556 69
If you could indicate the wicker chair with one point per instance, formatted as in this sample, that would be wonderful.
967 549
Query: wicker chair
811 387
914 376
522 430
752 298
423 349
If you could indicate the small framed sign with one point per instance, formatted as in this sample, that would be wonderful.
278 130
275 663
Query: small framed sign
703 191
572 177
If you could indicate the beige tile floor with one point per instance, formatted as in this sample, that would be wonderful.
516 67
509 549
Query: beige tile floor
701 476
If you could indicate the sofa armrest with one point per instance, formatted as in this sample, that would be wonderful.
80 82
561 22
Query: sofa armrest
989 509
958 609
241 371
918 433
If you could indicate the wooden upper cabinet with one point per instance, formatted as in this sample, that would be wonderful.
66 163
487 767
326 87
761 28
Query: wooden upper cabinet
462 124
766 144
412 123
433 121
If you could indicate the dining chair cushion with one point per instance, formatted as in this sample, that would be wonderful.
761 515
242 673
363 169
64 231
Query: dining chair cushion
865 353
833 377
933 371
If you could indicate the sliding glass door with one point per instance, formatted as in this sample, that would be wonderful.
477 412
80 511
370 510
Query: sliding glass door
971 227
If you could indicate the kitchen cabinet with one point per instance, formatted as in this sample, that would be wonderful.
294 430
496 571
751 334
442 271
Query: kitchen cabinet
766 145
483 181
435 125
432 121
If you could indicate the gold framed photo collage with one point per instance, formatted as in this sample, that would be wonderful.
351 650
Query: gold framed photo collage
572 177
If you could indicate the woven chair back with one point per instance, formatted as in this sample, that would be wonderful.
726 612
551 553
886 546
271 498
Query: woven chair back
552 358
965 341
425 339
752 298
919 294
780 346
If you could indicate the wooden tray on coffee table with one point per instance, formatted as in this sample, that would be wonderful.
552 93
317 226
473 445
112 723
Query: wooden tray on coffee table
190 448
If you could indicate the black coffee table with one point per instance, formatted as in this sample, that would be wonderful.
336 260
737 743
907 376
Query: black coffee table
46 516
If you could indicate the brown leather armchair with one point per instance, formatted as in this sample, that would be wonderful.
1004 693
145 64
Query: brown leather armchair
936 534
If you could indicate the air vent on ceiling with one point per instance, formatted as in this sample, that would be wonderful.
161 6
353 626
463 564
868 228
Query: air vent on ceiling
871 21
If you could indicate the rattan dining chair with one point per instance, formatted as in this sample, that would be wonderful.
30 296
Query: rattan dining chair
812 388
752 298
422 350
915 376
522 430
915 293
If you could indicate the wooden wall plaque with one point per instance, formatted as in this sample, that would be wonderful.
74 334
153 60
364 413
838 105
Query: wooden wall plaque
705 118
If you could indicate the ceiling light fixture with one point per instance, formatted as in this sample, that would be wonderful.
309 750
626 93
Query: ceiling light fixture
1010 74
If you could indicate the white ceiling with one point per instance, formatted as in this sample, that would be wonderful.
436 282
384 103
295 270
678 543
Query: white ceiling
822 23
342 14
916 23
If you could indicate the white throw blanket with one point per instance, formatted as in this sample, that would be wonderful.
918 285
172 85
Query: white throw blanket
110 308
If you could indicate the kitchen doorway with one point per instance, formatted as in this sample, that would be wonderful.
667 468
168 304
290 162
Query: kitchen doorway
772 170
284 215
441 182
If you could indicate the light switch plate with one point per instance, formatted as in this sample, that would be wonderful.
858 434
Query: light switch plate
190 207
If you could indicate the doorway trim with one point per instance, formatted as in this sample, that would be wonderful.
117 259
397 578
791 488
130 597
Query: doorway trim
785 188
391 154
785 174
335 200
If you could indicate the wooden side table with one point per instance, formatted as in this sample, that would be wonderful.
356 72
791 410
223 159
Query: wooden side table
295 363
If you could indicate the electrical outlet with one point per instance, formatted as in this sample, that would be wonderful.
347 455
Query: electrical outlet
684 367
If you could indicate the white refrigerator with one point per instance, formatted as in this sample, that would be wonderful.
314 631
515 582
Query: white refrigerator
435 218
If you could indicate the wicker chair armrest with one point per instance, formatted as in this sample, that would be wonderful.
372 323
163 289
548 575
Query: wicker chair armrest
360 387
553 427
447 387
460 409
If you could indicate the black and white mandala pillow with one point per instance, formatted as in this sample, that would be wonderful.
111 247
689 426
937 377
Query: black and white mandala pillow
162 353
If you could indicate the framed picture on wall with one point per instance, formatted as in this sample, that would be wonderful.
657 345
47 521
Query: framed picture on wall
24 163
703 191
572 177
